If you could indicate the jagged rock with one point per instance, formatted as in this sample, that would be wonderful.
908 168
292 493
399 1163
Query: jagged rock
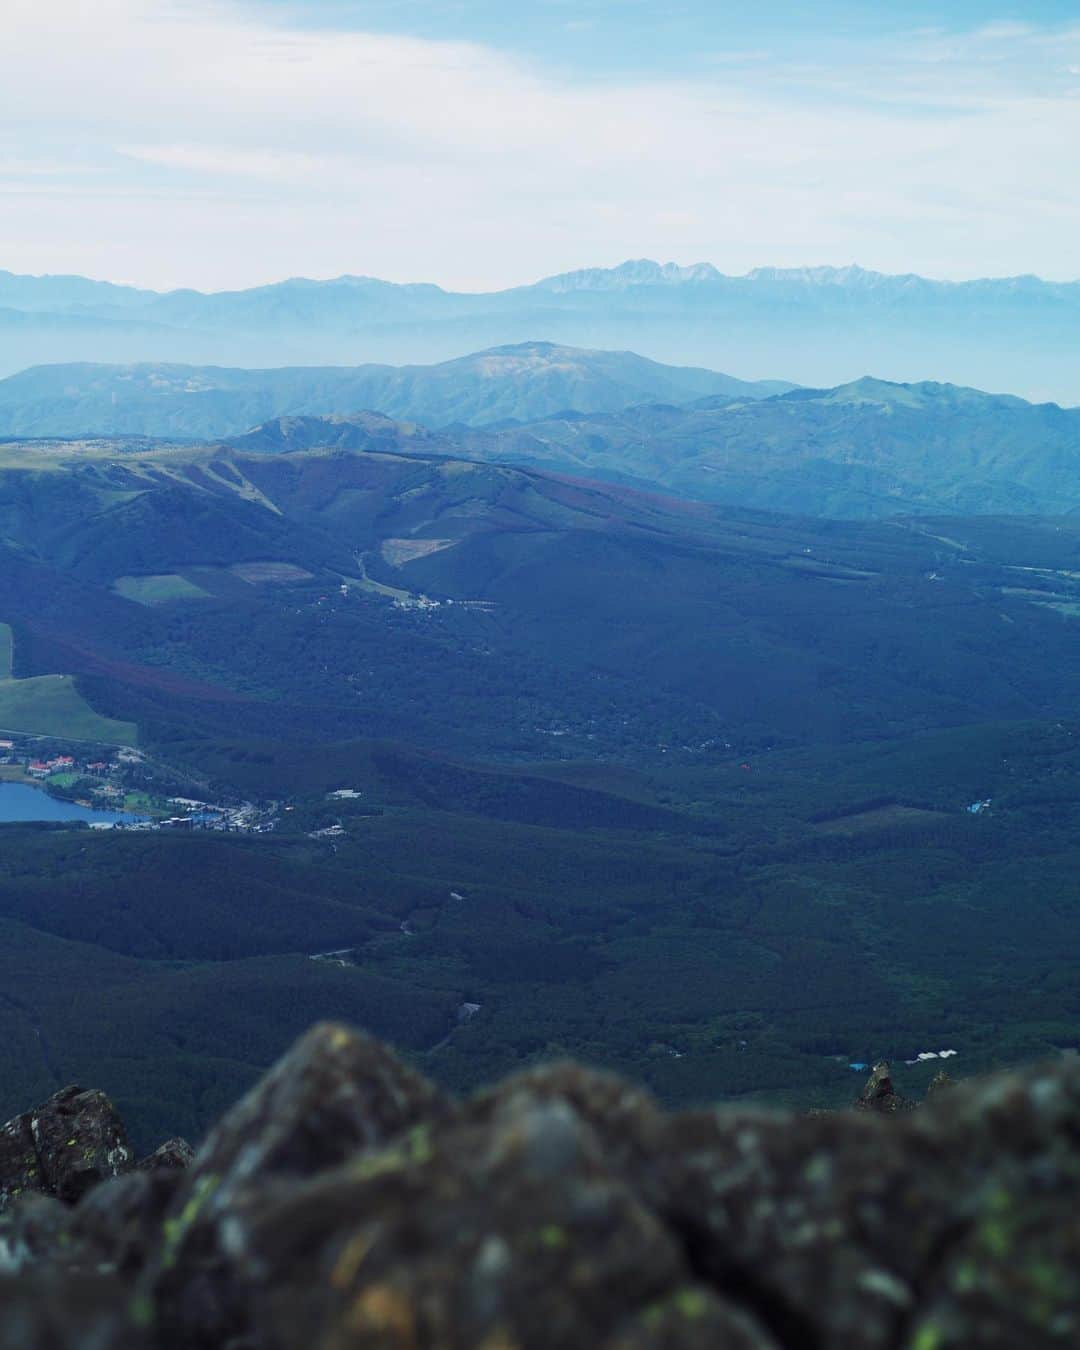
174 1155
880 1095
337 1093
940 1082
625 1118
835 1228
346 1204
20 1167
820 1224
66 1146
514 1232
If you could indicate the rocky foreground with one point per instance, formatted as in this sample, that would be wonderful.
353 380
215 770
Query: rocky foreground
347 1202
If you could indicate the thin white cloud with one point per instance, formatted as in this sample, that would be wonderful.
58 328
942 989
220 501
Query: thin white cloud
1005 30
231 149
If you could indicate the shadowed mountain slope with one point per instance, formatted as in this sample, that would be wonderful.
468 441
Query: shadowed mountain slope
866 450
790 626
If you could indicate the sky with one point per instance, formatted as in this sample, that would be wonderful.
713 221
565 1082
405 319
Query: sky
479 144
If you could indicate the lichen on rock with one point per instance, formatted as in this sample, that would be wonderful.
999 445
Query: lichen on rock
347 1204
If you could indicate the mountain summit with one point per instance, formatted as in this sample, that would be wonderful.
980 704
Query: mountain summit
637 272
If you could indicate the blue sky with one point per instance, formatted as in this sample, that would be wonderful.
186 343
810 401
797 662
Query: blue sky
479 144
642 35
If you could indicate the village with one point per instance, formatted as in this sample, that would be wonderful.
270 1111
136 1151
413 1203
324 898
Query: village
121 784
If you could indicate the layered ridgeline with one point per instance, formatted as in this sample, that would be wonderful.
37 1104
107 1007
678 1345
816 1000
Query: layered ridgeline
348 1202
819 326
866 450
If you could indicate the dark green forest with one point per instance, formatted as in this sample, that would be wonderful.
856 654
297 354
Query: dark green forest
741 931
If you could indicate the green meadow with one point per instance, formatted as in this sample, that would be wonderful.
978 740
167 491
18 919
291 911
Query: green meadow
158 590
51 705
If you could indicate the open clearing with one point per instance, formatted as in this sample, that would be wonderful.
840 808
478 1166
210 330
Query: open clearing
397 552
7 651
881 818
158 590
270 573
50 705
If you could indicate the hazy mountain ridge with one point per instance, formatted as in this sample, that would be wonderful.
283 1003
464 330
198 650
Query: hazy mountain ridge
816 325
521 382
71 292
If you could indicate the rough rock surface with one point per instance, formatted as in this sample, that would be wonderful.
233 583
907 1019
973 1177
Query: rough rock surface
64 1148
880 1095
347 1204
172 1154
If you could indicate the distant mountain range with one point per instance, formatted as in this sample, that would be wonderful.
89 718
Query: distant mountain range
523 383
864 450
819 325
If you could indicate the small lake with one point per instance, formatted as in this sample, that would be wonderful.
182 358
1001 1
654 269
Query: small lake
20 802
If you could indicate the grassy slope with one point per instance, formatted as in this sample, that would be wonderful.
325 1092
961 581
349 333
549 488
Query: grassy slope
156 590
51 705
7 651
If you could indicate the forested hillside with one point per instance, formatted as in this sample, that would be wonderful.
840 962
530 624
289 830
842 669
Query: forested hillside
679 788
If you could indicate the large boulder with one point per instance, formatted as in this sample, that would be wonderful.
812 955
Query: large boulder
347 1204
511 1232
66 1146
336 1094
840 1230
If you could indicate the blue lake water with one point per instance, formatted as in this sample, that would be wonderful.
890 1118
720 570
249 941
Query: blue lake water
20 802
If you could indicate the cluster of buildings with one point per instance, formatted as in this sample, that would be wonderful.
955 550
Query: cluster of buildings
41 769
45 768
106 784
191 814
